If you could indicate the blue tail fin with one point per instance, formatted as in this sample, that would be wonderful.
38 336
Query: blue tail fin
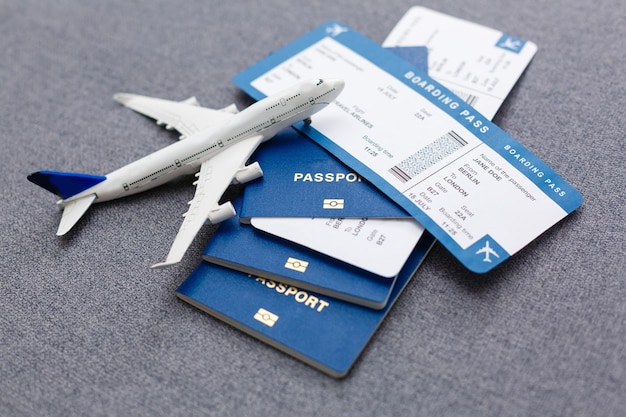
64 184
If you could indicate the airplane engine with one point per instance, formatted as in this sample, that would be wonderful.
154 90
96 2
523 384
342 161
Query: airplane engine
248 173
221 213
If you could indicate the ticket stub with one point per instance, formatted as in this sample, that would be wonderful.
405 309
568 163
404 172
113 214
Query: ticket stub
359 242
479 64
478 190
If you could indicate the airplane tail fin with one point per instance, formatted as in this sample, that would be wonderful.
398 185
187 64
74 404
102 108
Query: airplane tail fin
64 184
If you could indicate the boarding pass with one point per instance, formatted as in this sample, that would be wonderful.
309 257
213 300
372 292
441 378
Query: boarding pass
479 64
359 242
455 172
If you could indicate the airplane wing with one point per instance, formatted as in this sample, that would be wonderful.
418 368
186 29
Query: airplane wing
186 116
214 177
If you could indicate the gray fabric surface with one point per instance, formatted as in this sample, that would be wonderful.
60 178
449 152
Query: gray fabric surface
87 328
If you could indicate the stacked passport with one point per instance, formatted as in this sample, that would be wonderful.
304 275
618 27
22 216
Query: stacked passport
316 258
315 287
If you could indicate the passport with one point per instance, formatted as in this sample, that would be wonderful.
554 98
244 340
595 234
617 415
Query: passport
301 179
246 249
323 332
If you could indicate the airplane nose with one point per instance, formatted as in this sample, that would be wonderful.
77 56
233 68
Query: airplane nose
337 83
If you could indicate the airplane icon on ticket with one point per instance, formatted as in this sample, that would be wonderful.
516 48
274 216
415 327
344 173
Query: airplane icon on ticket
488 251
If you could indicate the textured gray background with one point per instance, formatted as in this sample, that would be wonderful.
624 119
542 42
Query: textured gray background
88 329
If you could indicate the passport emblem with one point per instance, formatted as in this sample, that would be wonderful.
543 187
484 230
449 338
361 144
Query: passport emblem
266 317
333 203
296 264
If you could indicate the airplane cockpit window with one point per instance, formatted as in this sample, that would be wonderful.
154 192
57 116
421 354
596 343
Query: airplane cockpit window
319 82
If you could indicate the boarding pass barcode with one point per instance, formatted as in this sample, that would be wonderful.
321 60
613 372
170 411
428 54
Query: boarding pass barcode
428 156
468 98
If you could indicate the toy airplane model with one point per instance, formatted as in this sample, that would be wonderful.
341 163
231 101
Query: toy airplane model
216 145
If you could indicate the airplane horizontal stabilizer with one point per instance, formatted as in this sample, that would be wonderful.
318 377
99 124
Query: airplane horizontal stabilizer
64 184
164 264
73 211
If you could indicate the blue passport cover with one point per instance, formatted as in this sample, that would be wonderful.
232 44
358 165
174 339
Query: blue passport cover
246 249
302 179
326 333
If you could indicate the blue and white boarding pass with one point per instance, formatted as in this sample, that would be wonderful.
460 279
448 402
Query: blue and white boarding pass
479 64
475 188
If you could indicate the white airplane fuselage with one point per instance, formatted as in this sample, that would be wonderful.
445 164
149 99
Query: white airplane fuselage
266 118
